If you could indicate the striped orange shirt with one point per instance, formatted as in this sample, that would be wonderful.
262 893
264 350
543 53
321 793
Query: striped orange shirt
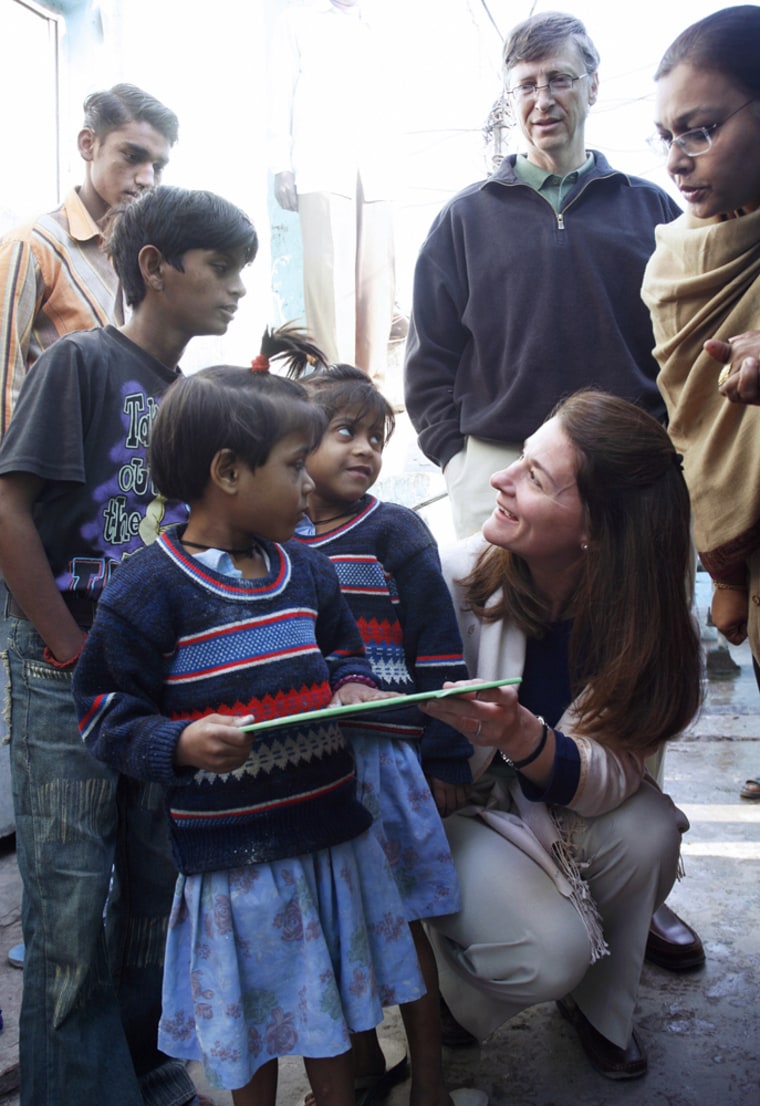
54 278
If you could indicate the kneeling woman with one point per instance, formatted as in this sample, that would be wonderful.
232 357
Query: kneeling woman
578 583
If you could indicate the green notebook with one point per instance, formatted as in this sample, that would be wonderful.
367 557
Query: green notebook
350 709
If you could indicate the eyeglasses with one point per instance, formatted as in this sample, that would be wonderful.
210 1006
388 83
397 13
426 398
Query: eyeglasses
528 90
693 143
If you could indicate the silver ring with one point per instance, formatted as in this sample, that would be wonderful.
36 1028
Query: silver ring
478 728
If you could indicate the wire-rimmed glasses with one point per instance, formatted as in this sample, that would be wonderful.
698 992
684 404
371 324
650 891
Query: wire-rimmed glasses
693 143
557 85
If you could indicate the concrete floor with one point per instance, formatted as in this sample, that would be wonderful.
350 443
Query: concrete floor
701 1030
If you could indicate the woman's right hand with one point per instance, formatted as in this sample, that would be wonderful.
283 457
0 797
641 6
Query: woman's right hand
448 797
215 743
742 354
730 609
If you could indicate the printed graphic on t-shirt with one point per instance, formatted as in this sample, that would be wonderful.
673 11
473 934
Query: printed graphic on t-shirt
125 511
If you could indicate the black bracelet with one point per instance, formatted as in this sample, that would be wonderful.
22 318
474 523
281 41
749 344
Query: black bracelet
518 764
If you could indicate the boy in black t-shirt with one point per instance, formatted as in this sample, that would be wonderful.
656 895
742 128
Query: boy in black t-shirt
75 500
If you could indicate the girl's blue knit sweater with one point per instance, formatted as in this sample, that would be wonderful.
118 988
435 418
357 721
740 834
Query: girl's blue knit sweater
173 641
390 573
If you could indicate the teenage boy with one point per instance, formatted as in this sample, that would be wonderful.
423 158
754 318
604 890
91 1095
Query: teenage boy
75 500
54 276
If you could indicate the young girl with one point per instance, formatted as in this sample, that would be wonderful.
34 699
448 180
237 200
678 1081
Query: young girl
388 566
287 932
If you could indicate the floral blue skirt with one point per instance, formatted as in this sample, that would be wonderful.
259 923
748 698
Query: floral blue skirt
284 959
391 785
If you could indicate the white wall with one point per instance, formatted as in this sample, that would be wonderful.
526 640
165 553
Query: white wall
29 182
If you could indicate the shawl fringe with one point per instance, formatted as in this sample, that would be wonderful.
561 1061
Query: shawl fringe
559 860
565 857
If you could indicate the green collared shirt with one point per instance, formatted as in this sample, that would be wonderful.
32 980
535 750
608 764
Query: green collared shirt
551 186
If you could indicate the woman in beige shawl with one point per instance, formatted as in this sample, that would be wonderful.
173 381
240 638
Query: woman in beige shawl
702 286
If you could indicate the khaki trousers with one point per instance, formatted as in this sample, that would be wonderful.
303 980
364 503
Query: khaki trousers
517 941
349 276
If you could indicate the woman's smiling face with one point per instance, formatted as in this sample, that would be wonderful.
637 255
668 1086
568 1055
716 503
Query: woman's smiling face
539 513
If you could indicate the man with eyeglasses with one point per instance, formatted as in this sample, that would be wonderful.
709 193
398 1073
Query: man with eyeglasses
526 289
528 284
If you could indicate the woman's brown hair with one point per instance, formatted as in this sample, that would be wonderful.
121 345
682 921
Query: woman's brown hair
634 649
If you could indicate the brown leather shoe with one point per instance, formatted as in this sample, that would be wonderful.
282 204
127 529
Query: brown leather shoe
673 944
608 1059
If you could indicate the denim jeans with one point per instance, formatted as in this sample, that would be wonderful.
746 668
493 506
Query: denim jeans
92 990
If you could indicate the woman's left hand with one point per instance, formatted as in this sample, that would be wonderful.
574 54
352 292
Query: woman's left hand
484 717
495 717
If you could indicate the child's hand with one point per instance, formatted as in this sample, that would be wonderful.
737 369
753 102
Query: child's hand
449 797
348 694
214 743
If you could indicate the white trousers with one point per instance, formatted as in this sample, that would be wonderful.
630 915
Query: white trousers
468 475
349 276
518 942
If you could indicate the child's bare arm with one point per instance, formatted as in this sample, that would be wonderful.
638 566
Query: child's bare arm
26 569
214 743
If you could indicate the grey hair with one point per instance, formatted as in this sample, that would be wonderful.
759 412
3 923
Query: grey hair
542 34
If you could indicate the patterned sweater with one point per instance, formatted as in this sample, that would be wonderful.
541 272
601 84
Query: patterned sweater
389 571
174 641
